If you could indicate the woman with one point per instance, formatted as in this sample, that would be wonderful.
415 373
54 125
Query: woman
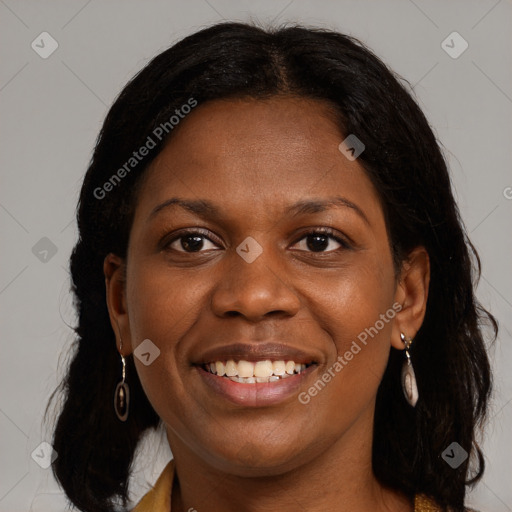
271 264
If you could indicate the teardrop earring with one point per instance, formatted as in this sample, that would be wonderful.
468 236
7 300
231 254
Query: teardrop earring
409 384
122 393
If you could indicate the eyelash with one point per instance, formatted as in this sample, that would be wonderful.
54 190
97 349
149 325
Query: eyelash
315 231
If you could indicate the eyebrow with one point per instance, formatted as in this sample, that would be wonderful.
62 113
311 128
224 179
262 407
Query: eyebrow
206 209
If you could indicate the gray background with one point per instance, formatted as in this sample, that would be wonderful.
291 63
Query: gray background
51 113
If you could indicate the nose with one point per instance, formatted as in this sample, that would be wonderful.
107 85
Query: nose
255 290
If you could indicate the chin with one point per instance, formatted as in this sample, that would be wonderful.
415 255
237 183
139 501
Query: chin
259 460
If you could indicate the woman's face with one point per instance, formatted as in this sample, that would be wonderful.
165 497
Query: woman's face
243 269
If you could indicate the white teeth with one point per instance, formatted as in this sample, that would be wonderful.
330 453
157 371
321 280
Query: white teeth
279 367
231 369
245 369
261 371
219 368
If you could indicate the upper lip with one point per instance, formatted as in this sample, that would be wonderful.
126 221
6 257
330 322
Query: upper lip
255 352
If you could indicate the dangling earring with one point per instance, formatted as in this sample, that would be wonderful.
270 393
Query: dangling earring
122 393
409 384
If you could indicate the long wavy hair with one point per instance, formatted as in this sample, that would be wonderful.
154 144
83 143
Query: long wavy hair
405 164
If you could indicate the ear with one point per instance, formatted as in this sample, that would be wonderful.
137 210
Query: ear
411 293
114 268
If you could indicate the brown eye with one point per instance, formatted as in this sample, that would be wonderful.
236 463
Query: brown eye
192 241
322 240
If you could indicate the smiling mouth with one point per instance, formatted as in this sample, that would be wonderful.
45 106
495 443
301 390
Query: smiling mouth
248 372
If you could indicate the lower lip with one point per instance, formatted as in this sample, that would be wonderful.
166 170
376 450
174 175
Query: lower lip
259 394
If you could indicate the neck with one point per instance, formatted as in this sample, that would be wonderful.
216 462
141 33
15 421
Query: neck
337 480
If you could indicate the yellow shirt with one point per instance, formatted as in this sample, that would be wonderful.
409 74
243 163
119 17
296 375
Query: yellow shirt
158 499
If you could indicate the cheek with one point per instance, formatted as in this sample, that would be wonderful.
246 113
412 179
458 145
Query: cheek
352 299
160 302
355 310
162 309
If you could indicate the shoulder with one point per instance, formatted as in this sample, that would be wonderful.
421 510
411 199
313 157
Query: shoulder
423 503
158 498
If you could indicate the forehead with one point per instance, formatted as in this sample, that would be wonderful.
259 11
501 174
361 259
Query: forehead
245 152
281 125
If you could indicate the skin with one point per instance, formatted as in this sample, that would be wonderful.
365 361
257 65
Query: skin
253 158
